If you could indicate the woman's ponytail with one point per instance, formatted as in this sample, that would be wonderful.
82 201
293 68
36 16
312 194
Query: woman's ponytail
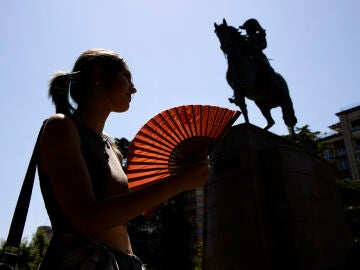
59 88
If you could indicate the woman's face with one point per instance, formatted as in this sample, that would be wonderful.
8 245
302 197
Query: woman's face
121 90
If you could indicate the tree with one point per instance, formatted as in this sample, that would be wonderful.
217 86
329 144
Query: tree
307 138
31 253
174 233
123 146
350 194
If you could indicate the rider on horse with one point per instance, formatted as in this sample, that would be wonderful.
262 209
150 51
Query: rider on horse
256 38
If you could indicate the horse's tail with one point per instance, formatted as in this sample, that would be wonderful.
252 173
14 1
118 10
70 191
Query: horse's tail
289 114
286 103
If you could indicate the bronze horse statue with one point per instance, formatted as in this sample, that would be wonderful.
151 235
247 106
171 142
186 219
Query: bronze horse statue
247 78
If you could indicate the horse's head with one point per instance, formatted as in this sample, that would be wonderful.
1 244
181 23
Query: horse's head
227 35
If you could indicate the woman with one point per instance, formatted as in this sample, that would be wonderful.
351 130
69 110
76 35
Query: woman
84 187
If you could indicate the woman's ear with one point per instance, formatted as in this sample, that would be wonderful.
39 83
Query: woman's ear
97 76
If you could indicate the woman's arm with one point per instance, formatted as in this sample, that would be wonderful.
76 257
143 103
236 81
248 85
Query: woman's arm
61 158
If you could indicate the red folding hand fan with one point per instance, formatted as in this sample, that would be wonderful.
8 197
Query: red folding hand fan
173 138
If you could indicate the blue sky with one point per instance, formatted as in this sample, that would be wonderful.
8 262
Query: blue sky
175 58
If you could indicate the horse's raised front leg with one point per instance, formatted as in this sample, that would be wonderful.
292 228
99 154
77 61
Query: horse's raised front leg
240 102
267 114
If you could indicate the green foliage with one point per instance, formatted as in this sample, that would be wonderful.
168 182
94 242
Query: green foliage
307 138
123 146
167 242
175 232
198 258
143 240
32 252
350 193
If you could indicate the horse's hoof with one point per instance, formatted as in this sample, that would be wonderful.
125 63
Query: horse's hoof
268 126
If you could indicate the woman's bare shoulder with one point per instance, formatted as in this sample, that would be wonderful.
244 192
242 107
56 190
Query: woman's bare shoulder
59 132
58 119
60 139
59 125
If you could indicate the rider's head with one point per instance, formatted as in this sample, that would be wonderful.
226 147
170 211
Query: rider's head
251 26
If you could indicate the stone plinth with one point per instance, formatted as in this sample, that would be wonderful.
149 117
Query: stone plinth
271 205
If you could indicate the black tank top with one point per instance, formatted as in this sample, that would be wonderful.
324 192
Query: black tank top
94 153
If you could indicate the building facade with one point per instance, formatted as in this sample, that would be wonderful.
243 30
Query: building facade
343 147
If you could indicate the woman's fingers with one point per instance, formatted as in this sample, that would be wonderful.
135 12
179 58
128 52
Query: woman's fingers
194 174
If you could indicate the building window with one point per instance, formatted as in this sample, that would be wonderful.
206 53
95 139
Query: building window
343 165
328 155
341 151
357 142
355 125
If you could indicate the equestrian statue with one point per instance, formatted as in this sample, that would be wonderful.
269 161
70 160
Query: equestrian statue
250 75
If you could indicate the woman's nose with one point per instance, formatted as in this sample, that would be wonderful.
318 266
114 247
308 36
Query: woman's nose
133 90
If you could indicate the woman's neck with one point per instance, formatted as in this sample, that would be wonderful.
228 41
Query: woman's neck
92 117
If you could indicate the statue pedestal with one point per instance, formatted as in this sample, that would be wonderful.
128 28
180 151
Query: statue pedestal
270 204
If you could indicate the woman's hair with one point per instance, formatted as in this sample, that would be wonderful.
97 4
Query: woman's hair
64 85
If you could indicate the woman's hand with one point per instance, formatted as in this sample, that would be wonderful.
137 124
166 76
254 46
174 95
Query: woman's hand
193 175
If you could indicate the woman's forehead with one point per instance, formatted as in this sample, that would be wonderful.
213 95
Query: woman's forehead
126 67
